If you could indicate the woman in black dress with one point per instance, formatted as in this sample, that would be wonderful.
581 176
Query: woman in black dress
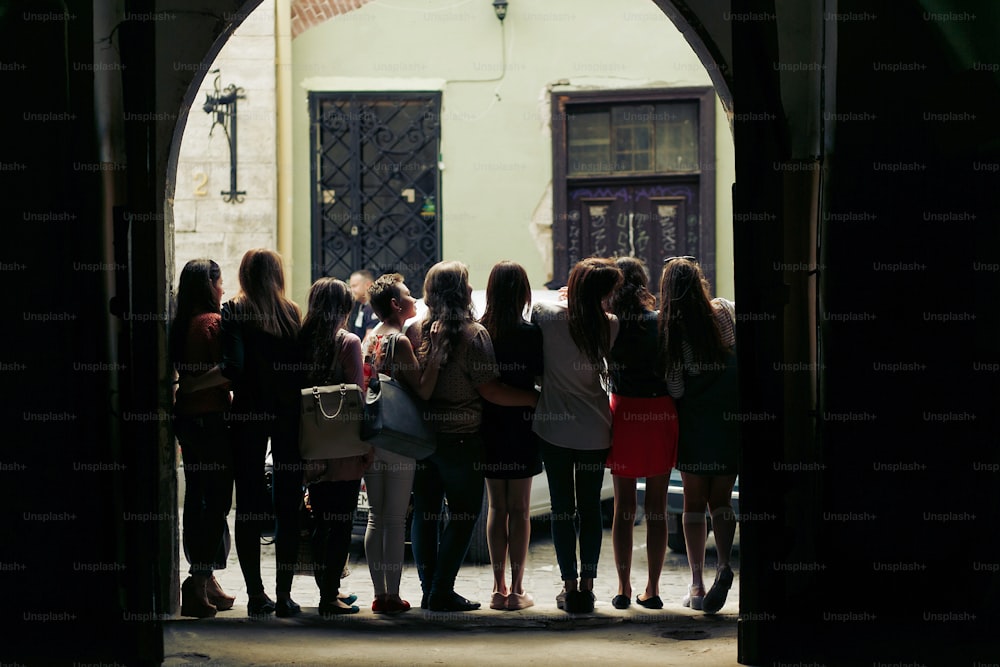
511 454
698 358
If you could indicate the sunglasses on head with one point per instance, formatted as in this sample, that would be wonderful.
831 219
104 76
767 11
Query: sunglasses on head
687 257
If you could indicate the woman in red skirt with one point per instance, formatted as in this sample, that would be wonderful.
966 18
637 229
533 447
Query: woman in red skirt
644 433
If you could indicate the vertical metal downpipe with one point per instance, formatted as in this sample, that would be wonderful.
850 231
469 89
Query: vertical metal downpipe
283 119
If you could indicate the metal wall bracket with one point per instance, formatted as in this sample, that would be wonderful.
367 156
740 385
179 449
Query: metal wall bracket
223 105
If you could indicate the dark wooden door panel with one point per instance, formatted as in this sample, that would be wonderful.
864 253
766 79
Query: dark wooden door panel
649 222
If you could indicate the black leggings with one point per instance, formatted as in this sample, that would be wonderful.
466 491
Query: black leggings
333 505
254 510
208 489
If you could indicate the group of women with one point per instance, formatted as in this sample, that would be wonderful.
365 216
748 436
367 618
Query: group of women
609 366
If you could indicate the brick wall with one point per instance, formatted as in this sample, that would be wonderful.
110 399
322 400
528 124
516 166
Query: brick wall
309 13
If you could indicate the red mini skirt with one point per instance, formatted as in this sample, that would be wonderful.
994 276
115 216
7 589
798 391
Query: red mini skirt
643 436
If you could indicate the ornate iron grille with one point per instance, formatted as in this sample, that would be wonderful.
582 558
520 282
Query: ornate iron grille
376 201
645 221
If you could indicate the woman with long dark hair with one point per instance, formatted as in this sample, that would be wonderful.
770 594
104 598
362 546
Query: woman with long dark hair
459 371
203 432
512 455
573 420
644 433
331 355
698 358
260 329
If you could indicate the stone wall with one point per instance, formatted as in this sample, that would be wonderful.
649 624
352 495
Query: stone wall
205 225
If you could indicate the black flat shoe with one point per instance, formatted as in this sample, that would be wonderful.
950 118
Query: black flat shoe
260 606
450 602
286 608
327 609
423 600
650 603
716 596
621 602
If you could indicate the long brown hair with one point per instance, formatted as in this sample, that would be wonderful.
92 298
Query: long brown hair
507 293
686 314
590 283
262 294
449 301
330 302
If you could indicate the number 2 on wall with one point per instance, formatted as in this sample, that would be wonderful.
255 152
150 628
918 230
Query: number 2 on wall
201 178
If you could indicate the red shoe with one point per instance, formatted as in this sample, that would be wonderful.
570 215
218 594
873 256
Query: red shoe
379 606
396 606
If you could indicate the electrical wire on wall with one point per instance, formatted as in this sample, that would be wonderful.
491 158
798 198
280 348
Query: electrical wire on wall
501 12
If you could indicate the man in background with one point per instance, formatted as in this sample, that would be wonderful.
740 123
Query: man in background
362 317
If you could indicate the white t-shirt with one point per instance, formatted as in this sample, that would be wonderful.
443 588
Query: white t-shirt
573 410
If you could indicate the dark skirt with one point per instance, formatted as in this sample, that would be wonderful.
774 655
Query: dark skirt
510 448
710 420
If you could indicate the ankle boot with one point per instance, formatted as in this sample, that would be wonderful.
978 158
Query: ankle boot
217 596
194 599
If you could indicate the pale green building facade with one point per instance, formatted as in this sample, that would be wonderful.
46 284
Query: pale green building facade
496 154
516 168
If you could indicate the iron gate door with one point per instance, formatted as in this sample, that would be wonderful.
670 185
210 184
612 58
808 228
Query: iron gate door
376 201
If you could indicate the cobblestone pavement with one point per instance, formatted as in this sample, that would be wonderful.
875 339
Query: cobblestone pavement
476 581
541 635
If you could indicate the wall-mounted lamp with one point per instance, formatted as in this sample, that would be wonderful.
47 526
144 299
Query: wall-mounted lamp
223 105
500 7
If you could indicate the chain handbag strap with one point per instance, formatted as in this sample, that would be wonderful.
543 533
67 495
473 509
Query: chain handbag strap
319 402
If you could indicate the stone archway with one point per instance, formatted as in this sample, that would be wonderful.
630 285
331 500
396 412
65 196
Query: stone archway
122 226
191 73
304 14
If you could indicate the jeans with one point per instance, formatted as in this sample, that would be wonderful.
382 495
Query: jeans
333 505
454 472
253 508
575 479
389 482
208 489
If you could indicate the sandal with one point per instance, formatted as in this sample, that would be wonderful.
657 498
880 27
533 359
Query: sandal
516 602
693 601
